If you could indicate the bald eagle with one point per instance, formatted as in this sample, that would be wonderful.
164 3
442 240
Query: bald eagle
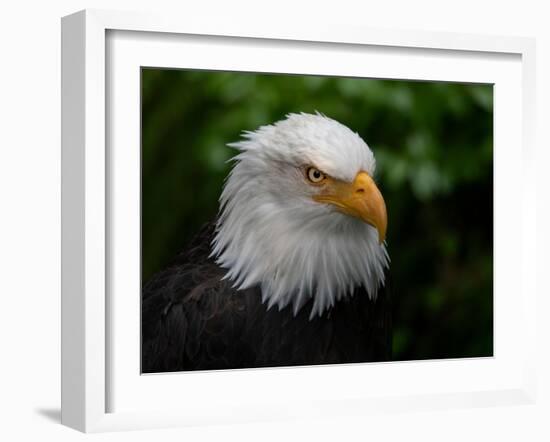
293 269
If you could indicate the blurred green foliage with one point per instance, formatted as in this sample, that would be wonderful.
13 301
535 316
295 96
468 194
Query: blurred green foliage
433 145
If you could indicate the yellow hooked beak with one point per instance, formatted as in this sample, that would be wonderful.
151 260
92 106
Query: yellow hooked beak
360 199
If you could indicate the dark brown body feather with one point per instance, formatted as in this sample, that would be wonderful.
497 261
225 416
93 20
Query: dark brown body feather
194 320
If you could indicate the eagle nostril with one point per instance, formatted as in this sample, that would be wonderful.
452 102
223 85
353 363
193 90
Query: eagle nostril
360 190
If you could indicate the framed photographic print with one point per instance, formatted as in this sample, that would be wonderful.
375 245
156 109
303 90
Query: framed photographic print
263 223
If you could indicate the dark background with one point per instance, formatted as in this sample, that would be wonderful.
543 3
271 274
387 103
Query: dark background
433 145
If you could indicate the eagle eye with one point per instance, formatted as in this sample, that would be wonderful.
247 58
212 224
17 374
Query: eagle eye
314 175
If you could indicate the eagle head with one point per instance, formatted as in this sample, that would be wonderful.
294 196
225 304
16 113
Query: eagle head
301 216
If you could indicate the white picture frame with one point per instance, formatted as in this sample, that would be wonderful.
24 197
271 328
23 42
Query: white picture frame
89 358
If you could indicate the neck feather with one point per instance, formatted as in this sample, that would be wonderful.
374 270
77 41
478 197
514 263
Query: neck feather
294 253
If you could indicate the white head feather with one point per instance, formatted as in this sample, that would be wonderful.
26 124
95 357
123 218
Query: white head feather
271 233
